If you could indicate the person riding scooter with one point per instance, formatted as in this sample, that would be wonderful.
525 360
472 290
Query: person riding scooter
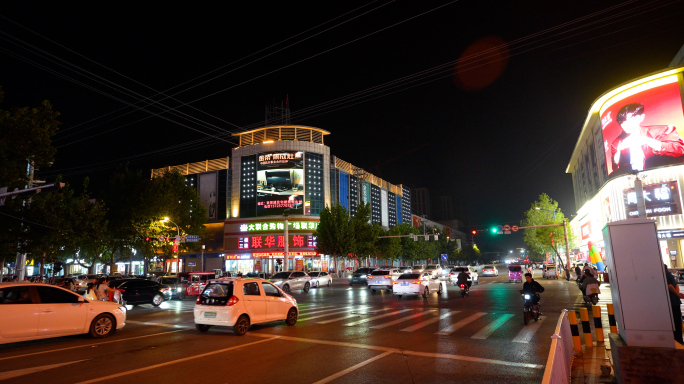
463 278
530 286
589 281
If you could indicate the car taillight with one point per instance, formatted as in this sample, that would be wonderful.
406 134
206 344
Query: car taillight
199 299
396 282
232 301
388 277
415 282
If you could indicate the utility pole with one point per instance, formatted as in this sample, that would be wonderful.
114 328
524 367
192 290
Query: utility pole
287 244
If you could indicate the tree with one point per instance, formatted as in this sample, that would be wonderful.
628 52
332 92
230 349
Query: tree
25 137
540 241
334 233
389 248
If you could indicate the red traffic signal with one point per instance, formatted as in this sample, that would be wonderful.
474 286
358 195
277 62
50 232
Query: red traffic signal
474 232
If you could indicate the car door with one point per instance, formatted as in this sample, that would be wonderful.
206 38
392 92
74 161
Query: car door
20 313
61 312
296 280
255 301
132 291
148 289
277 304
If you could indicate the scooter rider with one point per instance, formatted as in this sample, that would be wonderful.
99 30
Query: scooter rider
463 278
588 280
530 286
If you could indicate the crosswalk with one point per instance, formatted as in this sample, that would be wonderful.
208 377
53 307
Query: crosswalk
442 322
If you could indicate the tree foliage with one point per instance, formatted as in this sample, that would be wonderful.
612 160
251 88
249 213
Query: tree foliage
548 239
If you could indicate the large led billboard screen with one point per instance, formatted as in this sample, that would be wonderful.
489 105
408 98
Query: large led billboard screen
280 183
643 127
207 192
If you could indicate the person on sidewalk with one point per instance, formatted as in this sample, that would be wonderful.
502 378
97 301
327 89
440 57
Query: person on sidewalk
675 301
578 271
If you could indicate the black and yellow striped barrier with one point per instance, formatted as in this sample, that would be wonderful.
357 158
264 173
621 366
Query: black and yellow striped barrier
598 327
611 319
586 327
574 329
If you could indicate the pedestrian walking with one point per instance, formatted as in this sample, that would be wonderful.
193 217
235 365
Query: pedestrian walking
675 301
90 292
578 271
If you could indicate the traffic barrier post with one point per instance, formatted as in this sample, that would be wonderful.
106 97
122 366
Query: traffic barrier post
598 327
574 329
586 328
611 319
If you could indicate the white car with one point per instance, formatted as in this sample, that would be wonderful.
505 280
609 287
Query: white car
490 270
383 278
291 281
240 302
434 270
416 284
320 279
38 311
453 275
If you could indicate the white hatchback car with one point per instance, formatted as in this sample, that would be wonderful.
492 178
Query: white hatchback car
240 302
416 284
30 311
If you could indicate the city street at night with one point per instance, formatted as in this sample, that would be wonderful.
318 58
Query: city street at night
344 334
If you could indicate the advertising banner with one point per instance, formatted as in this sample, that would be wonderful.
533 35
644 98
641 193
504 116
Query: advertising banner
661 199
324 265
586 230
643 127
365 193
280 183
207 192
384 215
257 265
299 265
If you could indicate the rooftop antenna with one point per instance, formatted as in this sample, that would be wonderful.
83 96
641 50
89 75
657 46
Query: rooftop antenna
278 115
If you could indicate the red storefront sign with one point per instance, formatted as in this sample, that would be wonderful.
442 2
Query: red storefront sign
273 242
586 230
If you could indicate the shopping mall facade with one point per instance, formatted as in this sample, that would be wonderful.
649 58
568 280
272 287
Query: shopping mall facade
278 176
634 130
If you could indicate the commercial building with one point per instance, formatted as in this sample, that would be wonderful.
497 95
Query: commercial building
633 130
270 192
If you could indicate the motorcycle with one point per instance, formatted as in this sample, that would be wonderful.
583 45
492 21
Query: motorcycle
464 290
591 294
530 311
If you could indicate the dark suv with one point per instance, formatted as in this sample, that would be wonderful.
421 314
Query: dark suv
138 291
360 276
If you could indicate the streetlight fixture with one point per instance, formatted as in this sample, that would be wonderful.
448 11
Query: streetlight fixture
177 226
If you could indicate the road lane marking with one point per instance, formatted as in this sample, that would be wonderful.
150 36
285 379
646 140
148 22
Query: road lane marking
456 326
403 319
428 322
158 324
525 334
352 368
377 317
491 327
329 314
352 315
27 371
175 361
405 352
315 312
91 345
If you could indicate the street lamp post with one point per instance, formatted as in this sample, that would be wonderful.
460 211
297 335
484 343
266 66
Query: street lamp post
177 236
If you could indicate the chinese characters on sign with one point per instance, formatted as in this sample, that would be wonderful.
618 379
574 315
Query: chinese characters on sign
660 199
271 242
279 226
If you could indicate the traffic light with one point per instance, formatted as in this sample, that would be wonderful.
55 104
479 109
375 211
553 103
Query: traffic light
494 230
474 232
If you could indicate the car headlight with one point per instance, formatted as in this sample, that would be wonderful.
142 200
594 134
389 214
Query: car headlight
179 289
349 276
122 309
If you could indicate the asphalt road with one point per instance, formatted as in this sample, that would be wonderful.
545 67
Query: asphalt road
344 335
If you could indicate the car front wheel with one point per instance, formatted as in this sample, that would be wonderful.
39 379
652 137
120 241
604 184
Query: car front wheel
102 326
306 287
181 296
157 300
286 288
291 317
329 283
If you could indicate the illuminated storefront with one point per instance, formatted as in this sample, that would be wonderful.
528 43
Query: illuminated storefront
634 130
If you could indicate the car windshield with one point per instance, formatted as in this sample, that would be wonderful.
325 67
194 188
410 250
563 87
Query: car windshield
431 267
281 275
218 290
409 276
515 268
489 267
169 281
459 270
379 273
314 274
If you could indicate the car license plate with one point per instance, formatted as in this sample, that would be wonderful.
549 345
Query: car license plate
404 283
210 315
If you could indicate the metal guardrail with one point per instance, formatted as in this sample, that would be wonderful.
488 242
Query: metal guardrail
559 364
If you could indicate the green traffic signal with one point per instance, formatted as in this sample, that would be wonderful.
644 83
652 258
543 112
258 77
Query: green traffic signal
494 230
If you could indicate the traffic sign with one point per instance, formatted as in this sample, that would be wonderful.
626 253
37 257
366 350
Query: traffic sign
444 256
161 238
514 228
507 227
499 230
192 239
191 263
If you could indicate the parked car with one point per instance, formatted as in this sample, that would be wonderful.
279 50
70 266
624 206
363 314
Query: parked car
490 270
416 284
474 276
138 291
292 280
33 311
360 276
173 288
239 303
383 278
320 278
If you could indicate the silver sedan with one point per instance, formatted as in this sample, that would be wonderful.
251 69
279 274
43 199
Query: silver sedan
319 279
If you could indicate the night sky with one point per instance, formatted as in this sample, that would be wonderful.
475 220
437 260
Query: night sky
479 100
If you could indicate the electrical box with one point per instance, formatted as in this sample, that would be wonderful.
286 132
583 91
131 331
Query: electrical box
637 283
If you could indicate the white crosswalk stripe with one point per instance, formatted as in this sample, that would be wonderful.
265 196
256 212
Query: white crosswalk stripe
403 319
317 311
428 322
349 309
351 316
456 326
525 334
491 327
376 317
